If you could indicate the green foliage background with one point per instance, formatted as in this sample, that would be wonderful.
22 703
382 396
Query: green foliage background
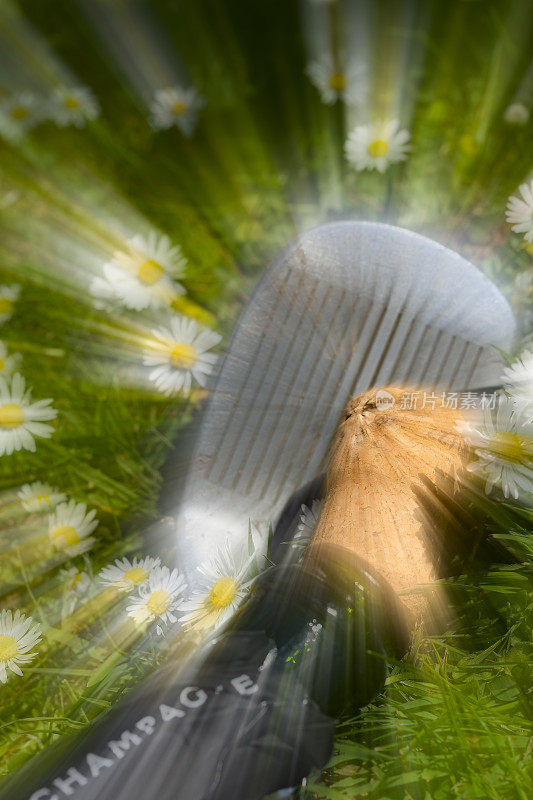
265 162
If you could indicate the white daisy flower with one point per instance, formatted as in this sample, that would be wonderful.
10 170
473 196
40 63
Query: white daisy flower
158 597
19 114
176 106
518 382
377 146
308 521
75 580
179 354
76 585
18 635
8 363
504 447
39 496
336 83
8 297
69 527
20 419
145 276
223 585
516 114
74 106
125 575
520 212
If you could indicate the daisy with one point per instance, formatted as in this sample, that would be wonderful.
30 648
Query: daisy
176 106
145 276
334 83
377 146
179 354
39 496
158 597
8 297
20 419
74 106
516 114
75 581
17 636
69 527
125 575
76 585
19 114
223 585
520 212
504 447
518 382
308 521
8 364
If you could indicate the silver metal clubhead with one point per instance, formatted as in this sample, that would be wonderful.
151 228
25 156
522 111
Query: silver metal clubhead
344 307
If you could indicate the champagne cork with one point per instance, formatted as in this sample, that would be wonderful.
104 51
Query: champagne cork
381 453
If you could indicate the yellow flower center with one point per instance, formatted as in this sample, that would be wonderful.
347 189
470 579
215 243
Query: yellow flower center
178 107
11 415
76 579
378 148
183 356
2 364
507 445
43 498
158 602
337 82
223 592
71 102
150 272
8 647
5 305
19 112
136 574
65 536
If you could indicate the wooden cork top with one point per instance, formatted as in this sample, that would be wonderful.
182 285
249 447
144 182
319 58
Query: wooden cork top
379 456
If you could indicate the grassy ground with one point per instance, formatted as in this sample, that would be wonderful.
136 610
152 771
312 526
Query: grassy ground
265 162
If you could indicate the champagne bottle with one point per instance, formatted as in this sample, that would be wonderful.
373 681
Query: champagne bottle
255 714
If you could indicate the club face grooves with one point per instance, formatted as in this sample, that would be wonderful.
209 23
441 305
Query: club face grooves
346 307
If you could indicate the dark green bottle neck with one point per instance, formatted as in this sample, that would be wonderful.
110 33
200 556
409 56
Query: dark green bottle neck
333 625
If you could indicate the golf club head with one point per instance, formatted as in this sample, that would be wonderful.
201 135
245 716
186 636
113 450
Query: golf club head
345 307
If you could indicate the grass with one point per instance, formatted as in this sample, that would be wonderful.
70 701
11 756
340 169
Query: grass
453 722
265 162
